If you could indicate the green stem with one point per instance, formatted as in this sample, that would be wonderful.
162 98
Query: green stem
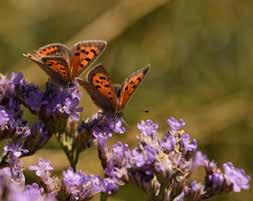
161 195
103 197
68 154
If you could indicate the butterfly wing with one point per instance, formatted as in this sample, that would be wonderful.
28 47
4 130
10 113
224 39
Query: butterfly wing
54 60
129 86
96 97
84 53
53 49
59 68
100 89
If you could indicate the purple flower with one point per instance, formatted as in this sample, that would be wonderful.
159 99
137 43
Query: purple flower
119 151
199 159
216 182
168 143
115 161
138 158
59 102
187 144
195 191
237 177
72 181
12 152
142 158
117 125
23 131
30 96
27 93
6 86
43 169
102 127
81 186
15 149
17 78
175 124
4 119
101 133
34 192
148 127
38 137
110 186
12 191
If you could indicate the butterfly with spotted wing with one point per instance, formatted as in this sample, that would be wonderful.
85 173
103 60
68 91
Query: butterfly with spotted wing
62 64
111 99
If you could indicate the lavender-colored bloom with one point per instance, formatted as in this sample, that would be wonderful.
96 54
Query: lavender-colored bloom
145 157
138 158
115 161
15 149
199 159
101 133
38 137
175 124
30 96
4 119
13 152
43 169
102 127
34 192
23 131
6 86
119 151
237 177
117 125
60 102
187 144
216 182
10 190
72 181
17 78
163 166
110 186
83 187
147 127
168 143
27 93
194 191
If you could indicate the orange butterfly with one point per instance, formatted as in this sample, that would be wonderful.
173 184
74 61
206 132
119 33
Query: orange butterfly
109 98
62 64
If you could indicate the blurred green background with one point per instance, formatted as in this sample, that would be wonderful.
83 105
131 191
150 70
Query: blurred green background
201 56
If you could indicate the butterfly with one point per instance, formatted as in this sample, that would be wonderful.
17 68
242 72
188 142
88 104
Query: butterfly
110 98
62 64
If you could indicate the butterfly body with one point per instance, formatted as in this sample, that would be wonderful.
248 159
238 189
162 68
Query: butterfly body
62 64
110 98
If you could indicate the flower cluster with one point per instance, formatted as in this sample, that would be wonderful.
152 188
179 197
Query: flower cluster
12 191
161 165
76 185
53 107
